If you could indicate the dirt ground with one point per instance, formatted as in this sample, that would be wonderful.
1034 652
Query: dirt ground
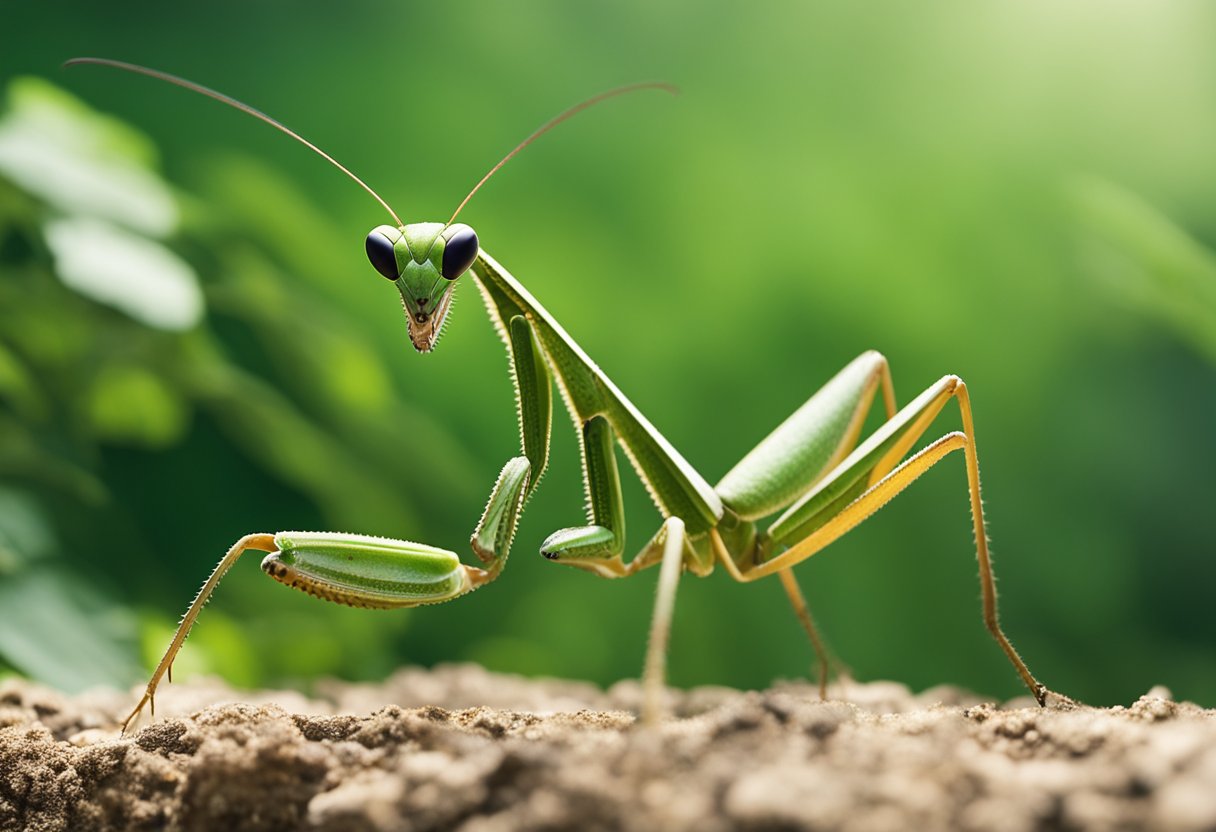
506 753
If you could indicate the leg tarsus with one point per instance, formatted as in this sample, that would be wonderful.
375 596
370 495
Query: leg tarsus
146 699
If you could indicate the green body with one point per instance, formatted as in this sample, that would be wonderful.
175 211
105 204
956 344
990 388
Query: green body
812 471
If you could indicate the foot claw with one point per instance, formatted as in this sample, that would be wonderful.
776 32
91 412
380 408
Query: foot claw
147 699
1056 701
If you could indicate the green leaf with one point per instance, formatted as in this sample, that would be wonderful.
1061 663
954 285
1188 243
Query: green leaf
17 387
121 269
83 163
131 405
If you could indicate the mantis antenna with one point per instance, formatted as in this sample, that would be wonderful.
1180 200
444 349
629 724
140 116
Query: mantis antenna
258 114
558 119
245 108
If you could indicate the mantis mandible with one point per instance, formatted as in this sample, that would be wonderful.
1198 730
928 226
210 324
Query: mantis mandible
814 471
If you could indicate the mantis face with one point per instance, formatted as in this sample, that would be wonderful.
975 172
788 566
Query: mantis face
423 260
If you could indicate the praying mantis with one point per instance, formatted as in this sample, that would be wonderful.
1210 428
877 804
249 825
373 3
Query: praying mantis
814 471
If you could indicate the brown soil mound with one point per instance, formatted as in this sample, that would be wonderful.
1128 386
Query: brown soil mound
505 753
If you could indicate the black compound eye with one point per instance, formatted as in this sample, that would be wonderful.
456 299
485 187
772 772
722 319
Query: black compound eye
459 252
380 252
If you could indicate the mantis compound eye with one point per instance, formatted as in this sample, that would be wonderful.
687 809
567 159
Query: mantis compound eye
380 252
459 252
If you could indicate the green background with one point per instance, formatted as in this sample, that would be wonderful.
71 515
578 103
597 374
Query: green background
1019 193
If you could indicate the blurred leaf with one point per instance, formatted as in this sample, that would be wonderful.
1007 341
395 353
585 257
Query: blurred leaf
59 630
305 645
273 432
25 533
36 328
130 405
54 627
331 367
22 456
82 162
1147 262
337 368
126 271
17 387
270 207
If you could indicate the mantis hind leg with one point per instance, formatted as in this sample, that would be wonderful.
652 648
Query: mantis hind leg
791 460
867 480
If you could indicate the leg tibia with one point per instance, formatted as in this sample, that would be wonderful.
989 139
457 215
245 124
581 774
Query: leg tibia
260 542
534 396
598 545
830 527
491 540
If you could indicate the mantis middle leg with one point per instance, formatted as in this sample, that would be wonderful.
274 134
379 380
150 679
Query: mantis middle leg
784 466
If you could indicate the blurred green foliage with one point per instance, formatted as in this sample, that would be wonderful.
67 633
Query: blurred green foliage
193 347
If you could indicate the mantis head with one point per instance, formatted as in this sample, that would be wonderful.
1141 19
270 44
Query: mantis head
424 261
